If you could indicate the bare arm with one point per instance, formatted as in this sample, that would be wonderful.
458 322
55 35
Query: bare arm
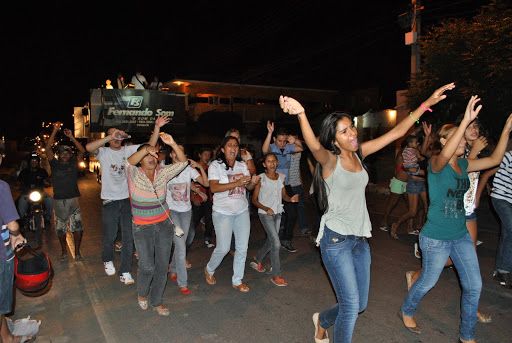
427 130
497 154
203 178
95 145
159 122
374 145
478 145
286 197
266 143
482 184
439 162
217 187
77 144
322 155
180 154
137 156
51 140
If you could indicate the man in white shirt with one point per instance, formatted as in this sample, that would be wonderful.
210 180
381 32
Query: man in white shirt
139 81
116 208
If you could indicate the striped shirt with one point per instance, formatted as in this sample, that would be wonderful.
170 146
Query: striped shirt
294 171
502 184
148 198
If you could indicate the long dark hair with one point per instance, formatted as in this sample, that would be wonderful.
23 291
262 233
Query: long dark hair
221 157
327 138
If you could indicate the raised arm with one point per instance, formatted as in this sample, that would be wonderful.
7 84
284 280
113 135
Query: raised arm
449 148
266 143
51 140
77 144
295 141
293 107
497 154
92 147
427 131
203 178
137 156
374 145
478 145
167 139
159 122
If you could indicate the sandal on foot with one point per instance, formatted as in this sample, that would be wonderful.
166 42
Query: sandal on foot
483 317
210 279
143 303
242 288
162 310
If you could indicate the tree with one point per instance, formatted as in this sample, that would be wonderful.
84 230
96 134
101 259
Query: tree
477 55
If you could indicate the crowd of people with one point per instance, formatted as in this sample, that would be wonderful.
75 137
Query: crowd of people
157 197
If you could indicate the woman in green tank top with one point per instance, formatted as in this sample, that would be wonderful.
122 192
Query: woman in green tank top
444 234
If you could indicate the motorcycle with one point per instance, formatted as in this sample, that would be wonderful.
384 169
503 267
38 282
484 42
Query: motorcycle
34 222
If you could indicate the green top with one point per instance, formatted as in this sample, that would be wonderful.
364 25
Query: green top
446 218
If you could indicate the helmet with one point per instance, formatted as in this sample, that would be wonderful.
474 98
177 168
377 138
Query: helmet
32 271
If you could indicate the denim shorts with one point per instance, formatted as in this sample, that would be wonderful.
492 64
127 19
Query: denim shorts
6 283
471 217
415 186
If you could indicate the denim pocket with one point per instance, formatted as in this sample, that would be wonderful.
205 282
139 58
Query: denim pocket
333 240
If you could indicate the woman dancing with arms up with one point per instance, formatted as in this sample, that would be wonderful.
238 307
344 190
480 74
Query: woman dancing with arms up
340 182
445 234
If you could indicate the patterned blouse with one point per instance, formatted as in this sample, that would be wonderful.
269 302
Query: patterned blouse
148 198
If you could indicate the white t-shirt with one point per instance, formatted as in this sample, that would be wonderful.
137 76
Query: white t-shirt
233 201
114 185
271 193
178 190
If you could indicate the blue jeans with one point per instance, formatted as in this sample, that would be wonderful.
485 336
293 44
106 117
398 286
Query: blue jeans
347 260
225 226
434 254
153 243
118 213
6 282
178 261
504 253
272 244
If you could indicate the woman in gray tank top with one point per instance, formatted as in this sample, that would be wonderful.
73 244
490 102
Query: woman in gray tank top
340 182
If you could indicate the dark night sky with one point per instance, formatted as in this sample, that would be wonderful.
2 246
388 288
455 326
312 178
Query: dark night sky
56 52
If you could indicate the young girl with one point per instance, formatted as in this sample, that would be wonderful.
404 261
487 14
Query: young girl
178 200
340 183
267 197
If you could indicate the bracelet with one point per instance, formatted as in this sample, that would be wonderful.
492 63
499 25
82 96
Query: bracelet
417 120
425 108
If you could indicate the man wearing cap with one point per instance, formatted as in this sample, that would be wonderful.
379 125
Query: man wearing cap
116 210
64 174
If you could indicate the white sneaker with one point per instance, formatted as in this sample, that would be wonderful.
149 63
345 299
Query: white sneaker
127 279
109 268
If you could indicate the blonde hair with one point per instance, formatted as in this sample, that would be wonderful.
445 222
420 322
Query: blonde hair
445 130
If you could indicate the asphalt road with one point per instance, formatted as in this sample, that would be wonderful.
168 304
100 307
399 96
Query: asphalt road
86 305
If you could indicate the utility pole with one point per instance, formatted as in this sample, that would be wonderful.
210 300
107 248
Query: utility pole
412 37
